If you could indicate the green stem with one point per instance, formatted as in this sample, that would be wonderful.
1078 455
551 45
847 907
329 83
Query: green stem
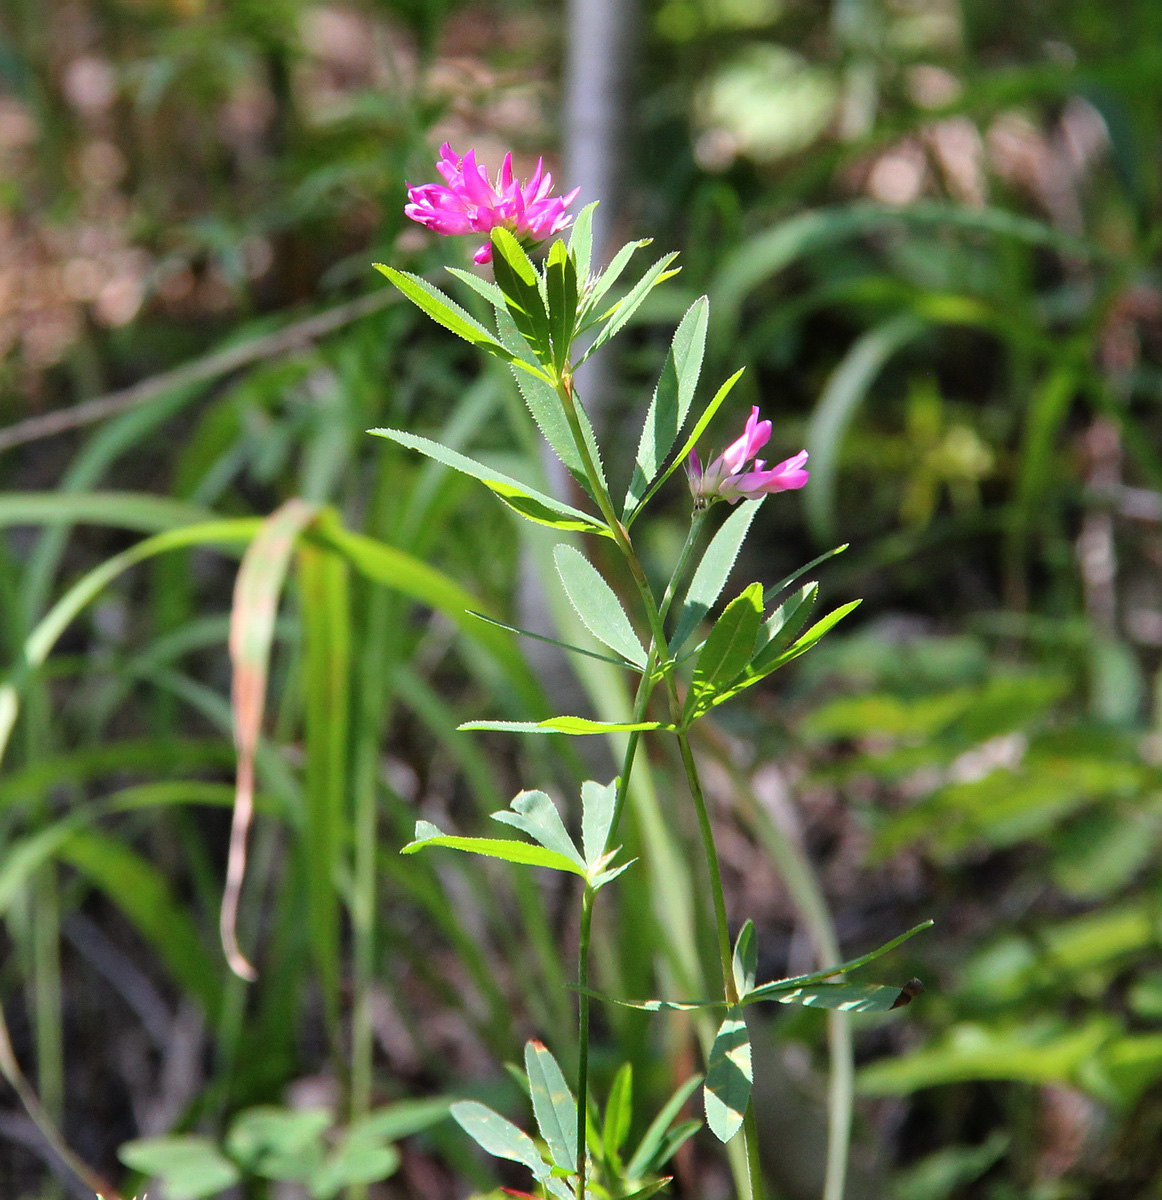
730 988
583 1033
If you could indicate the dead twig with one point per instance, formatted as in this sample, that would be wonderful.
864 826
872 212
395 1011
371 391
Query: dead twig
201 370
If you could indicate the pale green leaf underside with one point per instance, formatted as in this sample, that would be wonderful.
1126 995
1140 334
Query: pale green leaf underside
571 725
509 851
597 605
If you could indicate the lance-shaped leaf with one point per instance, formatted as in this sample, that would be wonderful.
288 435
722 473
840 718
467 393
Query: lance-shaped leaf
597 805
553 1105
776 988
682 455
510 851
534 813
713 571
618 1113
651 1151
500 1137
581 240
671 402
621 312
729 1077
850 997
574 726
517 279
754 675
772 593
442 309
784 985
531 504
745 960
782 626
596 292
540 637
561 289
544 405
727 650
597 605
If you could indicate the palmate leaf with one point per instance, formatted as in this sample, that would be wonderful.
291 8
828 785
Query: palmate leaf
534 813
597 805
531 504
729 1076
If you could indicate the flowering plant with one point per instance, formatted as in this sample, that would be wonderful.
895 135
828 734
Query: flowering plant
540 311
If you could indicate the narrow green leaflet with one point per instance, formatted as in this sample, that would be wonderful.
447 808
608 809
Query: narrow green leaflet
783 625
618 1112
699 428
576 726
481 287
609 277
850 997
517 279
713 571
597 805
533 505
597 605
671 402
652 1005
852 964
515 852
817 631
755 674
649 1154
772 593
727 650
581 240
491 1132
745 959
631 302
534 813
729 1076
443 310
540 637
553 1105
561 288
541 399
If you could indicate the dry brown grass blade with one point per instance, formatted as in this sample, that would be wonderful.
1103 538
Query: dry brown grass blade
256 594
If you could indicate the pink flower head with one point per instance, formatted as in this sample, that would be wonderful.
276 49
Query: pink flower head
471 204
728 476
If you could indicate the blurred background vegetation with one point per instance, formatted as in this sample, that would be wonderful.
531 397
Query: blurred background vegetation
929 228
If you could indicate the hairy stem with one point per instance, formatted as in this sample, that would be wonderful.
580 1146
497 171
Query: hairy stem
583 1032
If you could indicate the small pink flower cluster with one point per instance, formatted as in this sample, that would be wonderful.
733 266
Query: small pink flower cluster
727 477
471 204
